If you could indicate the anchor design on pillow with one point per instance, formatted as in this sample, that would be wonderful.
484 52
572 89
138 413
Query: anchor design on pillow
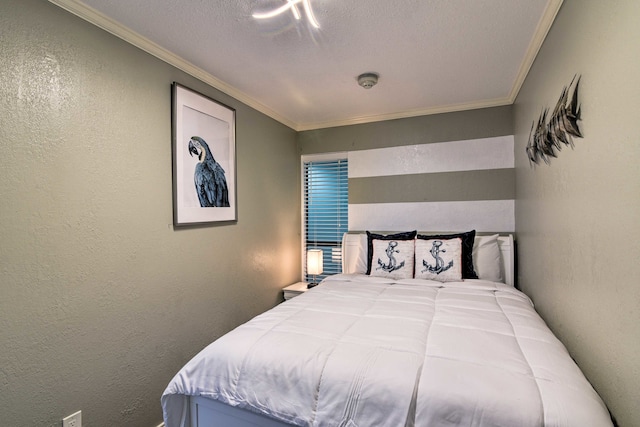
393 263
439 267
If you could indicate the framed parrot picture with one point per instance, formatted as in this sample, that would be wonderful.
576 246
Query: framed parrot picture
204 159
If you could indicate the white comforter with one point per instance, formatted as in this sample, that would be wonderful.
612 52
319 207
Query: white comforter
360 351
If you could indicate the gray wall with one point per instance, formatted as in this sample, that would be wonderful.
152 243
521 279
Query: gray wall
472 124
101 299
578 220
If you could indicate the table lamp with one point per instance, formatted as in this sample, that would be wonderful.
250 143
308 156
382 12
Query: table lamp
314 264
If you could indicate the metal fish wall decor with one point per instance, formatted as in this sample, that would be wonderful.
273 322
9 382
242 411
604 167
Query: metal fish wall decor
554 131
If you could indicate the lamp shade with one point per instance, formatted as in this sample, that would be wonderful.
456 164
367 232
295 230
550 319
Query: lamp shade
314 261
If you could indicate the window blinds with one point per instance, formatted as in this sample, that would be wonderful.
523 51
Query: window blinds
326 207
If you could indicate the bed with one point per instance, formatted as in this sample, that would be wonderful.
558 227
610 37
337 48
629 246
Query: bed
379 349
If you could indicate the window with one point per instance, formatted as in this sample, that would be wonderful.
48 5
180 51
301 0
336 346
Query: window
325 210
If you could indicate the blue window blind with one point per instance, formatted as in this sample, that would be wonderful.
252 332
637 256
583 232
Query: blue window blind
326 195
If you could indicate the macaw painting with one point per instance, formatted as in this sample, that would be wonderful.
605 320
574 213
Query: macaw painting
205 156
209 179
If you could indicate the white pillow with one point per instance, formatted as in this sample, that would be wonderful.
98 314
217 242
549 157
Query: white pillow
354 253
363 250
486 258
439 259
392 259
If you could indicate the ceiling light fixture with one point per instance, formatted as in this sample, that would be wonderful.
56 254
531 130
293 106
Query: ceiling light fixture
293 5
368 80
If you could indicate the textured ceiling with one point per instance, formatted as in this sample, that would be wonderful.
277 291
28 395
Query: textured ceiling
432 55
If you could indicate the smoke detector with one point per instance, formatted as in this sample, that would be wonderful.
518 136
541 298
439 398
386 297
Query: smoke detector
368 80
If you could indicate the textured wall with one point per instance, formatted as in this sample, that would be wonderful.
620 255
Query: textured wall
578 220
101 299
446 172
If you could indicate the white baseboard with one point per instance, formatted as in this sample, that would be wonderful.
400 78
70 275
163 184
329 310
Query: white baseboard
160 425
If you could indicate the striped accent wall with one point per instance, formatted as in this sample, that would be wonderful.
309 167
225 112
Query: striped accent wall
444 186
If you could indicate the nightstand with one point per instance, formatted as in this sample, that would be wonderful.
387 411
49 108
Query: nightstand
295 290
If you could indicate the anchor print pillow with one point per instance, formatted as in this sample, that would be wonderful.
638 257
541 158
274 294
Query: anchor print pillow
468 237
439 259
407 235
392 259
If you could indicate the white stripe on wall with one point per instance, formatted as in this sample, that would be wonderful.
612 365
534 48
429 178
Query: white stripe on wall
483 216
453 156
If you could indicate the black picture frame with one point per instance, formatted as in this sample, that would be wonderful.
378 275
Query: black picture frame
204 159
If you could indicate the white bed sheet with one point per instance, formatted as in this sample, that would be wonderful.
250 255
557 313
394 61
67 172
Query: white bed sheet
361 351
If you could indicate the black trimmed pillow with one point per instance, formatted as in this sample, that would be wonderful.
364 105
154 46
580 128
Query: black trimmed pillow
409 235
467 250
439 259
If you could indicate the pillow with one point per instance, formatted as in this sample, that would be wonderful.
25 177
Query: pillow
439 259
468 271
363 255
409 235
392 258
487 258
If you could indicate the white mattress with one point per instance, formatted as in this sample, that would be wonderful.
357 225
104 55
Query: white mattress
360 351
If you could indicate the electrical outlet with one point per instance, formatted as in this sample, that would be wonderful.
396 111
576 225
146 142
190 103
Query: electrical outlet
73 420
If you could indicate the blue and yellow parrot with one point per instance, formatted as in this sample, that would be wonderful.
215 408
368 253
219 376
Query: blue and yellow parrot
209 178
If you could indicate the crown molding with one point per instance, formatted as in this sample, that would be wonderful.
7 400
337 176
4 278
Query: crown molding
540 34
98 19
